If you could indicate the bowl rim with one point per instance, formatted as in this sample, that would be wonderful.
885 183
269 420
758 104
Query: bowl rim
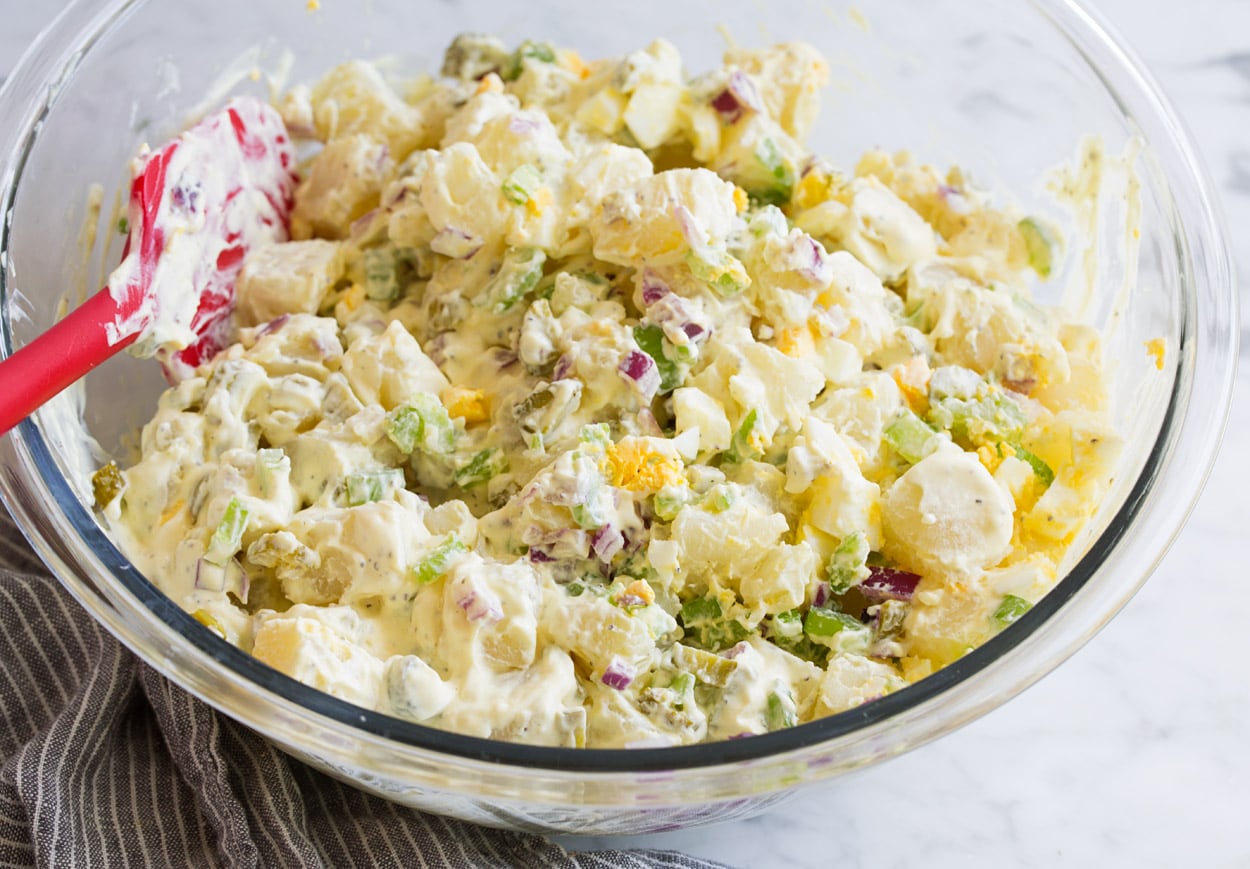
28 448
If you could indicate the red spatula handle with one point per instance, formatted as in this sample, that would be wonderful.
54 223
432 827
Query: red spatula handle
57 358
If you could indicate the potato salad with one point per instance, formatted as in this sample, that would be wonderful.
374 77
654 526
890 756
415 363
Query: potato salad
586 407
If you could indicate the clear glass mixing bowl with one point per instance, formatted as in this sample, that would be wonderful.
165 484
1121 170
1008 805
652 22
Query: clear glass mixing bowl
1006 88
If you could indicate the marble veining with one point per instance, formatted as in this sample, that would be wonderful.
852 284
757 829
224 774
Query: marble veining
1136 751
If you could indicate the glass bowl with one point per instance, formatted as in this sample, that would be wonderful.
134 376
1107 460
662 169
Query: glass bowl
1008 90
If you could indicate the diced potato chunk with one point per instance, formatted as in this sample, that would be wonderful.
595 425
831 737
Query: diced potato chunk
290 278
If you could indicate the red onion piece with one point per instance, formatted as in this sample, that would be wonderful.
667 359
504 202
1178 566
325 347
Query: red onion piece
648 424
641 371
361 224
505 359
479 605
523 124
743 88
537 556
821 597
455 243
689 228
607 542
275 324
564 365
734 650
886 583
727 106
653 289
209 577
740 95
618 675
813 262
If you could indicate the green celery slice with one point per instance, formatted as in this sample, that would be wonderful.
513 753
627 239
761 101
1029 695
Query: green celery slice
423 423
1011 609
1041 470
910 436
527 50
436 563
848 563
228 536
521 184
741 448
364 487
1040 244
650 340
486 465
778 714
780 186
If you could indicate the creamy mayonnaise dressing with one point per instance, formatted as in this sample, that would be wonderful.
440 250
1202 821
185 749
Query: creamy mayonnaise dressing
586 407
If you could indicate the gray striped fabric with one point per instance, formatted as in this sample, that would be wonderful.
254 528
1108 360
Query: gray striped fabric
106 763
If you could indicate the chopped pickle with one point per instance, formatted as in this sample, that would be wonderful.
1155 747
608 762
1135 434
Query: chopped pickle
707 668
106 484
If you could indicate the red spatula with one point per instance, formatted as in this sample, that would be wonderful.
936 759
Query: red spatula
197 206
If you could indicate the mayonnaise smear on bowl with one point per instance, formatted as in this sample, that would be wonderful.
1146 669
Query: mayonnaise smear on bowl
587 408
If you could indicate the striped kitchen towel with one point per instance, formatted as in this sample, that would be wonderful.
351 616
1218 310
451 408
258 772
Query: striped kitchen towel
107 763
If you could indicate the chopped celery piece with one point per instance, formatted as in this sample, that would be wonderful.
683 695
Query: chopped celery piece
483 466
596 433
366 486
381 282
668 503
228 536
788 625
521 184
742 447
681 683
574 589
980 421
700 610
106 484
718 499
848 564
1039 244
1042 470
707 667
586 516
780 184
1011 609
779 712
821 622
727 276
518 275
703 621
423 423
435 564
123 226
527 50
910 436
650 340
271 464
839 631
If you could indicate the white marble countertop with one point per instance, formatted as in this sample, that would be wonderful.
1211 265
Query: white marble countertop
1136 752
